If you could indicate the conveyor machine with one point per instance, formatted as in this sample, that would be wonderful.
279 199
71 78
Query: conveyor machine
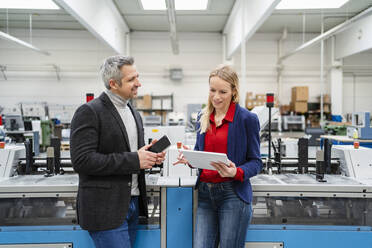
291 208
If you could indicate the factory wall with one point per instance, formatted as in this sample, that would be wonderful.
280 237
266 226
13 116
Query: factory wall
32 77
302 69
357 83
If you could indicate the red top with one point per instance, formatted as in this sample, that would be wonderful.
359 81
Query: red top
216 141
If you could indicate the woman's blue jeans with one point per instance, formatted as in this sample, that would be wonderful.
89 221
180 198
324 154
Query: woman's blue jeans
222 218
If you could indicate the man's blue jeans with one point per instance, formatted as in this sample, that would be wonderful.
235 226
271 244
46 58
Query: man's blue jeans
222 217
122 236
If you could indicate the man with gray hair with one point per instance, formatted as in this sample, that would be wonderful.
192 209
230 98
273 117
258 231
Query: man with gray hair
109 154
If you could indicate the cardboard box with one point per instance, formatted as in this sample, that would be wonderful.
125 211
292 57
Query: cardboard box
145 113
326 108
261 97
146 102
299 106
260 102
300 94
249 103
249 96
138 103
285 109
326 98
315 123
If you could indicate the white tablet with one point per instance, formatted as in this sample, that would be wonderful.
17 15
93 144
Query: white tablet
203 160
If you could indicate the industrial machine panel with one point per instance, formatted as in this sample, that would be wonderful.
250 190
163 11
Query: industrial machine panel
4 155
263 245
362 164
59 245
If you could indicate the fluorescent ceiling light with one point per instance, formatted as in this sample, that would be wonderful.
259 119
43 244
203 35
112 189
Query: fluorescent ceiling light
8 37
179 4
153 4
311 4
28 4
191 4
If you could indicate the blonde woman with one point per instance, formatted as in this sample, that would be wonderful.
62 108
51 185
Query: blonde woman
225 194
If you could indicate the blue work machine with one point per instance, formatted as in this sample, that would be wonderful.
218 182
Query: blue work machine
290 209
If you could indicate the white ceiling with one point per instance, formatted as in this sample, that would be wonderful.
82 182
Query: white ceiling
41 19
211 20
293 19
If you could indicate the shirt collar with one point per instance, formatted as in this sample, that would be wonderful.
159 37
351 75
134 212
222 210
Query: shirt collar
229 114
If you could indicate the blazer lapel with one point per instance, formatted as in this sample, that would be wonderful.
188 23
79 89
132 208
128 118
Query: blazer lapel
232 135
106 100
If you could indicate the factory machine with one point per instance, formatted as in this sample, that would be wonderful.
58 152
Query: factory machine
360 126
304 201
38 199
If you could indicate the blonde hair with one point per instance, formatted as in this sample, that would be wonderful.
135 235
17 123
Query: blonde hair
229 75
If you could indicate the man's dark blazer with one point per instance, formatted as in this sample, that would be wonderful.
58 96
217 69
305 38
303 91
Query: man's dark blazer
100 154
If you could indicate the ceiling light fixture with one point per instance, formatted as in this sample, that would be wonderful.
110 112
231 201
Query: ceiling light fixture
153 4
311 4
171 12
27 4
179 4
191 4
8 37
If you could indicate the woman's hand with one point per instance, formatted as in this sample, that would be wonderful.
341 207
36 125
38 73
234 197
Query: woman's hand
225 170
181 159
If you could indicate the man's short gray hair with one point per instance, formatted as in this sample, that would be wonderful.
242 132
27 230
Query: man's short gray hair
110 69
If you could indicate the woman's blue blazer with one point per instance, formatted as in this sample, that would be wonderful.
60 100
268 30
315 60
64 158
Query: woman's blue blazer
243 148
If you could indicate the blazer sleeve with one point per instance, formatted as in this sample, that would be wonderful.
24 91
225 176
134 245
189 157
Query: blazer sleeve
84 142
196 147
253 164
198 135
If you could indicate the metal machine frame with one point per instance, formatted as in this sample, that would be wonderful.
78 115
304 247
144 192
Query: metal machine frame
178 201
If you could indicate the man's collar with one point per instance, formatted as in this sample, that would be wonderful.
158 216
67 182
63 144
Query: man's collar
117 100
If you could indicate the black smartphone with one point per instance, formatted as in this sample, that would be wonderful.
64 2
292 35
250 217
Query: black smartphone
160 145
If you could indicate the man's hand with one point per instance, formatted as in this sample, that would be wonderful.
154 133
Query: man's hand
160 157
147 159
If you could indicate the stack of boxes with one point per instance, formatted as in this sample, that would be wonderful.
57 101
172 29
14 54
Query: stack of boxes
249 100
326 103
259 100
144 102
300 96
285 109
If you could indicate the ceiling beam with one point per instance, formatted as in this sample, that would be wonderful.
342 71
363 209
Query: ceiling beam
255 13
102 19
356 39
333 31
171 12
8 37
